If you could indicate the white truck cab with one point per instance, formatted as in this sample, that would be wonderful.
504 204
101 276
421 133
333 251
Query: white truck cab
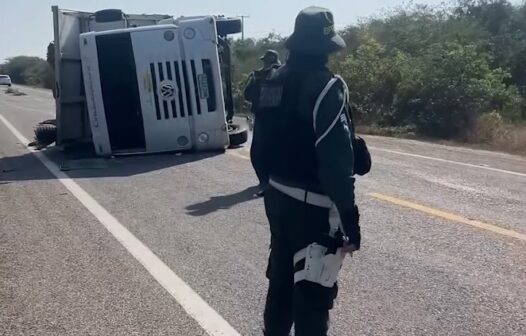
134 84
154 88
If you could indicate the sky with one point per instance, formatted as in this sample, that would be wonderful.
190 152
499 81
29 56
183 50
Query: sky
26 26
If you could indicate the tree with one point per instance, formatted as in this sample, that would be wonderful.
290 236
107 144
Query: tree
28 70
447 88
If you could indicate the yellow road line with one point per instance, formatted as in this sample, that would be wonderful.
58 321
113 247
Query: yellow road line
431 211
450 216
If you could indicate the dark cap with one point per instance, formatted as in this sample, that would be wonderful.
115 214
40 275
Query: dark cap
314 33
270 56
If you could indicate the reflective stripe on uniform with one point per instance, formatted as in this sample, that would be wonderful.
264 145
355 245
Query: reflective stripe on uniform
335 222
331 126
319 267
312 198
303 195
320 99
345 87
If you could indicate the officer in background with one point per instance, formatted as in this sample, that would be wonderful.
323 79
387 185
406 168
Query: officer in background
270 61
304 114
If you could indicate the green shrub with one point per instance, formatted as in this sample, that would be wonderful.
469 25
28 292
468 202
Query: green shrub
447 88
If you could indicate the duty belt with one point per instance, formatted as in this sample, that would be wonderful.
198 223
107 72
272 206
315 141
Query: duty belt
303 195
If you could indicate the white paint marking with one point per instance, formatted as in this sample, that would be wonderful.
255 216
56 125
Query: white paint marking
192 303
449 161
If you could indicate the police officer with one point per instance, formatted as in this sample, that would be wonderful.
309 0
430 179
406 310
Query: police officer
308 137
270 61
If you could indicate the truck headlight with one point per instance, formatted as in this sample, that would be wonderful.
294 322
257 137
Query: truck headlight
203 138
182 141
189 33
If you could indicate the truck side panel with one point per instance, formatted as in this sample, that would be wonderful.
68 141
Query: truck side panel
71 110
69 91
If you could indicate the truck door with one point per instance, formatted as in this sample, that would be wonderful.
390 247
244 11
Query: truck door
120 92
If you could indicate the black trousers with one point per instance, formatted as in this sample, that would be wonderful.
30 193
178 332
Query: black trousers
257 156
294 225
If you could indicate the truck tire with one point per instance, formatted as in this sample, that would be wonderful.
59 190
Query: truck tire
45 134
237 135
109 15
227 25
49 122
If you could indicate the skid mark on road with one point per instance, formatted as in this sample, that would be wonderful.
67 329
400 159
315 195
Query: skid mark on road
449 216
192 303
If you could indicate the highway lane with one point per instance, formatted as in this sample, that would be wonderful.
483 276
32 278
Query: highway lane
60 271
416 274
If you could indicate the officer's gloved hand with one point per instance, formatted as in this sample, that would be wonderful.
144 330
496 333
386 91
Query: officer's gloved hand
351 225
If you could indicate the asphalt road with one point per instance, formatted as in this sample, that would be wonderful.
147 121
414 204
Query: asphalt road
444 249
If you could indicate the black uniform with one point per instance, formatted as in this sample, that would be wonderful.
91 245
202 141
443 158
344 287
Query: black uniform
308 144
251 93
314 156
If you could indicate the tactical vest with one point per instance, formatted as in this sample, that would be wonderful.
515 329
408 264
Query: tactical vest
260 76
285 117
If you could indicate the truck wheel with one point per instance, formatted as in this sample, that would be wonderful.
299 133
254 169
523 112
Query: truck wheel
237 135
109 15
45 134
49 122
226 26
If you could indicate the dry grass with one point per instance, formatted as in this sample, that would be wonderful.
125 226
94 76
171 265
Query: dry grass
490 132
395 132
512 138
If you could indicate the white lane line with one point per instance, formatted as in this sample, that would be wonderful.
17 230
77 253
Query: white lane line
449 161
191 302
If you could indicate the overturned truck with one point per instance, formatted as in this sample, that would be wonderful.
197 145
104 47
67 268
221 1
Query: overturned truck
131 84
